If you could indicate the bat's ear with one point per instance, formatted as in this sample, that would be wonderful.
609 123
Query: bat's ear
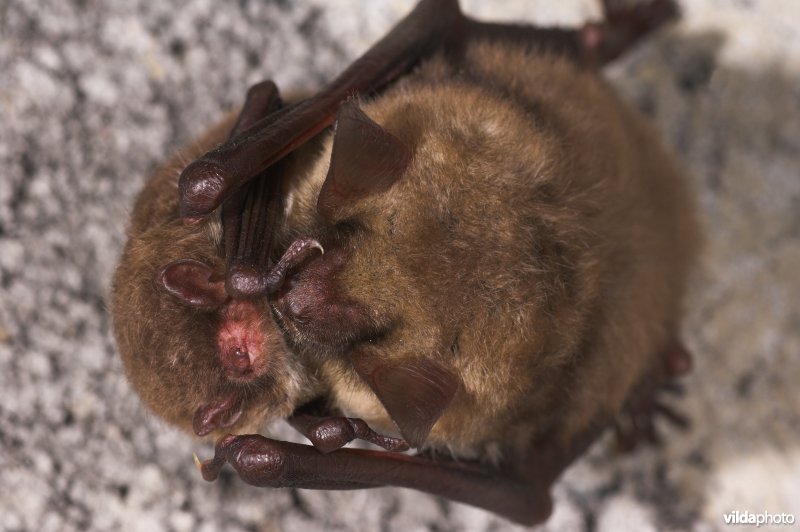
220 413
193 283
415 392
366 159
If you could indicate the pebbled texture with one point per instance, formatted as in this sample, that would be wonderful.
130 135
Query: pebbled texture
95 94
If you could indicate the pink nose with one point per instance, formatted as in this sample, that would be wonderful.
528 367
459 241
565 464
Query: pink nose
236 361
242 339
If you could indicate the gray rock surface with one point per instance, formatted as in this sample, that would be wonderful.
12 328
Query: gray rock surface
93 95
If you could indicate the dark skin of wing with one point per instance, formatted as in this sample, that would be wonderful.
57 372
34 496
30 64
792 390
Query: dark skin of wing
252 210
433 25
269 463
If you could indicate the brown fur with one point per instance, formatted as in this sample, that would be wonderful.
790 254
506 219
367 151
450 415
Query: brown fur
168 349
537 246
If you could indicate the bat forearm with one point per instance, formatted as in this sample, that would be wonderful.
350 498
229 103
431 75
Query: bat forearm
270 463
251 214
561 41
595 44
208 181
455 277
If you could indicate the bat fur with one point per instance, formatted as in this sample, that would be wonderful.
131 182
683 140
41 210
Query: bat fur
536 246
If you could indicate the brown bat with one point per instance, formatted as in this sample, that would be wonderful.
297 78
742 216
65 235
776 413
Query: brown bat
484 260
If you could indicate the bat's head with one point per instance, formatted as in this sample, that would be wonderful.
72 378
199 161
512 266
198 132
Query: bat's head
415 272
198 358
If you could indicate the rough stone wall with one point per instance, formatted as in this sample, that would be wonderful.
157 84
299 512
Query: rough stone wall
94 94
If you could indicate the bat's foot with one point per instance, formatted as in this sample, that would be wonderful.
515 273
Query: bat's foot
329 433
637 422
623 26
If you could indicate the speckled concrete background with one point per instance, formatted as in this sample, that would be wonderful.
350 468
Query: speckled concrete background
94 94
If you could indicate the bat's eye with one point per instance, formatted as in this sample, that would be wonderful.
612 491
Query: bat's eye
366 159
349 227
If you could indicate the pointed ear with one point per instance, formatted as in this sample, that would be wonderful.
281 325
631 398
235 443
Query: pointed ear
415 393
193 283
366 159
220 413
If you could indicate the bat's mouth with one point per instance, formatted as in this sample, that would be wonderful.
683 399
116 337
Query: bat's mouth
242 341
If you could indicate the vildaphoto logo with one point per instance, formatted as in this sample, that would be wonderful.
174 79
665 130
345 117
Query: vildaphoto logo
764 518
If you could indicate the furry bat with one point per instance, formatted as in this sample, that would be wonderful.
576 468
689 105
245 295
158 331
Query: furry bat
486 257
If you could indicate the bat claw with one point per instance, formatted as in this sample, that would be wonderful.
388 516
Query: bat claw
638 421
672 416
247 281
300 251
210 469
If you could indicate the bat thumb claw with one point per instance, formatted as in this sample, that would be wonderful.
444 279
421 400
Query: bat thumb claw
301 250
210 469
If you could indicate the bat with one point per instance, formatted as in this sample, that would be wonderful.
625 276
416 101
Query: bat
466 244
